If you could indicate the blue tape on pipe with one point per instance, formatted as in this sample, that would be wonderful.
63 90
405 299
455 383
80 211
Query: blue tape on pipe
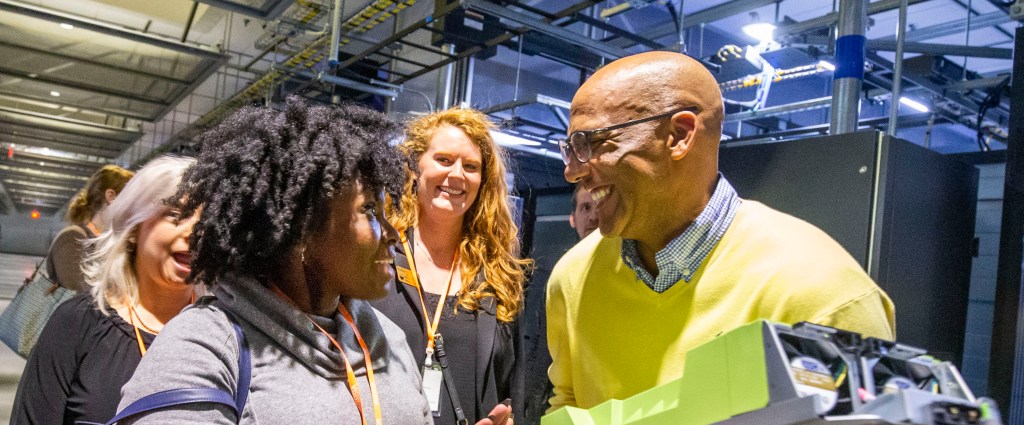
850 57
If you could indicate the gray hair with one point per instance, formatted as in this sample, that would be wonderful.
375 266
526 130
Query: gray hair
109 266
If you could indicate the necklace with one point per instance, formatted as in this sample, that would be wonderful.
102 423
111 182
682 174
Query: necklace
132 311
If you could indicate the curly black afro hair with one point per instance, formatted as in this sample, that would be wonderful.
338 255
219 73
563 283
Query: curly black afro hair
263 176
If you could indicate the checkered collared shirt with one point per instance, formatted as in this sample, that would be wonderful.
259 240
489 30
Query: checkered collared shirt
684 254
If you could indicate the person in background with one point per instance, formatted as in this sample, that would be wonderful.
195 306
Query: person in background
583 217
680 257
292 239
64 260
459 272
136 271
538 388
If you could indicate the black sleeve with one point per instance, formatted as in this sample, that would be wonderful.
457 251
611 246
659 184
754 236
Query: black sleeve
52 366
518 394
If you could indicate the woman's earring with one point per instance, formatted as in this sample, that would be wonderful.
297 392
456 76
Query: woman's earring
302 254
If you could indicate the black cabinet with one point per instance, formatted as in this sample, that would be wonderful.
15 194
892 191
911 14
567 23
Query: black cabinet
904 212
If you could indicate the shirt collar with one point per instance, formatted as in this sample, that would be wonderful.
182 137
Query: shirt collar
684 254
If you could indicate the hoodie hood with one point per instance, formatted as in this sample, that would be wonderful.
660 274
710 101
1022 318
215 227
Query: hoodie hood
292 329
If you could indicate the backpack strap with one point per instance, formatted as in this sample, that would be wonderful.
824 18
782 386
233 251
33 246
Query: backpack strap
177 397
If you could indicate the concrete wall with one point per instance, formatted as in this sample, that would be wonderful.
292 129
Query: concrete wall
20 234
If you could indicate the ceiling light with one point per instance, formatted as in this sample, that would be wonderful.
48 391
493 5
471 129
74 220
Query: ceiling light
55 93
824 64
67 26
920 107
760 31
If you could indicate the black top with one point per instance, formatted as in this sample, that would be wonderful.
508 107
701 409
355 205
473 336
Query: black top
76 370
459 332
488 358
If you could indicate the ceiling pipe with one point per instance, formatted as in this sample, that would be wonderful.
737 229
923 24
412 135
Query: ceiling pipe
849 73
332 60
338 81
897 78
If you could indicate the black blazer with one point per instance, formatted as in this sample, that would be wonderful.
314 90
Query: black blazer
499 373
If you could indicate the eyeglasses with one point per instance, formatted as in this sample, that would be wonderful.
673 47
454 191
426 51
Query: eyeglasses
579 143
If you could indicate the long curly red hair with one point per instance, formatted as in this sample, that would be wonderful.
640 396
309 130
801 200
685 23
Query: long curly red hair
490 236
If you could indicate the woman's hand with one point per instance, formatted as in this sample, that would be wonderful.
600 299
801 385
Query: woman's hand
500 415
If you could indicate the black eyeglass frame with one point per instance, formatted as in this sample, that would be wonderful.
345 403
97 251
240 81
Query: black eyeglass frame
569 143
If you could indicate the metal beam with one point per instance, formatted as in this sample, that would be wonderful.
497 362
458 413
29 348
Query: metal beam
15 184
58 159
27 140
107 91
40 173
67 125
338 81
832 18
36 193
92 62
942 49
955 27
926 84
619 32
72 185
21 97
269 14
978 84
887 45
110 29
695 19
603 49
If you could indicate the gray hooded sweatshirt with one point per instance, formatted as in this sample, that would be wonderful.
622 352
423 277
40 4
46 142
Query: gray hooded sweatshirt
297 375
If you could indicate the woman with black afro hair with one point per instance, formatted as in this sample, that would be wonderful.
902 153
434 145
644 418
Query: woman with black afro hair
292 239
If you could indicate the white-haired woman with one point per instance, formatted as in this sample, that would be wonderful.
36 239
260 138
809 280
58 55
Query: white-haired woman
93 343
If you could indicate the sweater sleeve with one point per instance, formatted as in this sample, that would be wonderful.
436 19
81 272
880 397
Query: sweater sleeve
52 367
560 372
197 349
65 258
871 314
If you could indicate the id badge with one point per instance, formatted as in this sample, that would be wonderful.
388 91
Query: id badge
432 378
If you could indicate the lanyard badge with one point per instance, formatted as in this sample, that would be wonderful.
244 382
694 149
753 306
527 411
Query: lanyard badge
433 376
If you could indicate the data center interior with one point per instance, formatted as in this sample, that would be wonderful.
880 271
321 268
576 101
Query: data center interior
925 188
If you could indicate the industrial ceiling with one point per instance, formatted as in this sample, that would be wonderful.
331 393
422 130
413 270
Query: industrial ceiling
89 82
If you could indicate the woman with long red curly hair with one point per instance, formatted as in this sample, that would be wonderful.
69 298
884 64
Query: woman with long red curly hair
459 276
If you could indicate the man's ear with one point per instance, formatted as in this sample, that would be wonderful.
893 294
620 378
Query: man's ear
682 134
572 219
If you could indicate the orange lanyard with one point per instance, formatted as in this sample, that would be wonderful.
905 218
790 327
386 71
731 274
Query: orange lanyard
138 335
350 374
432 325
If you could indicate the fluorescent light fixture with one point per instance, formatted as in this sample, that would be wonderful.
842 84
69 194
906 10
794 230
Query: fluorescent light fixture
505 139
67 26
920 107
824 64
55 93
760 31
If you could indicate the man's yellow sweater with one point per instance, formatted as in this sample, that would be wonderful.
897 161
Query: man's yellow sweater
611 336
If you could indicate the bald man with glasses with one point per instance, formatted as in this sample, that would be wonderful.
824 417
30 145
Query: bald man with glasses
680 258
